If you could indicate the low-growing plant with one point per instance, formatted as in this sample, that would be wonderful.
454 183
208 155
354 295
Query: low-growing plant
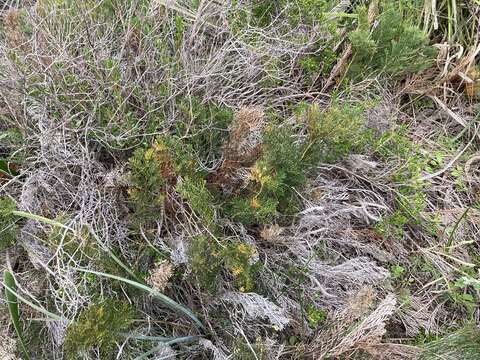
319 28
395 46
149 169
98 326
208 256
397 271
286 161
271 181
12 303
238 258
159 296
205 261
410 201
315 316
198 197
464 292
152 170
204 127
304 12
334 132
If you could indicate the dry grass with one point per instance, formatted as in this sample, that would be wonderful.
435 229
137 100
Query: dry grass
353 272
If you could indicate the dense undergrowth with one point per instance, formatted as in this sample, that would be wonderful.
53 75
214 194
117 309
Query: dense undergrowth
292 179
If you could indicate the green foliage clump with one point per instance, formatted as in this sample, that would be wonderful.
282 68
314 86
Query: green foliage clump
205 261
394 145
305 12
254 210
148 169
334 133
397 271
308 11
272 179
395 46
98 326
152 169
315 316
262 13
287 16
8 229
180 155
238 259
462 300
201 202
414 163
208 256
128 108
314 66
286 161
203 127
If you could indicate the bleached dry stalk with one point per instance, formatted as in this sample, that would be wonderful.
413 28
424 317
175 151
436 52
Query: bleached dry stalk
255 306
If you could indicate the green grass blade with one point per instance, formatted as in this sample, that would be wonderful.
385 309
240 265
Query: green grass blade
41 219
115 258
11 299
122 265
32 305
163 298
455 227
6 169
59 224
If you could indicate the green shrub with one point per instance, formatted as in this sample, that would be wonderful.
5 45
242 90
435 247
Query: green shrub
395 46
310 64
205 261
98 326
203 126
195 193
413 163
127 107
333 133
208 256
286 161
271 181
149 169
238 259
160 167
249 211
304 12
286 16
309 12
